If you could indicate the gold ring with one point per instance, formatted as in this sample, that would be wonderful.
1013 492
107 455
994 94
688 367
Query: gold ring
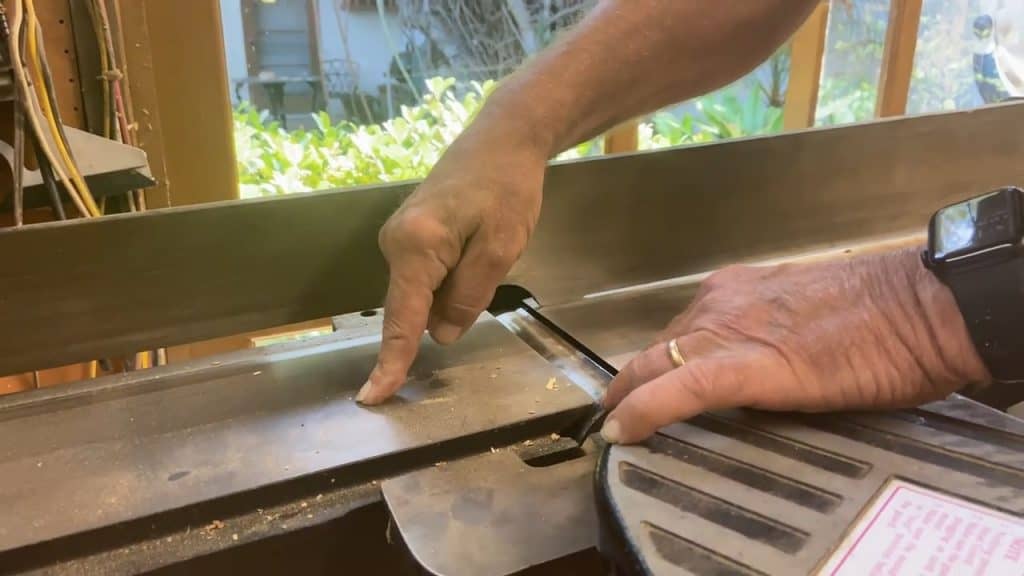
675 354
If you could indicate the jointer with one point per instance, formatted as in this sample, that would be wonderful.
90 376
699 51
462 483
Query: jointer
260 460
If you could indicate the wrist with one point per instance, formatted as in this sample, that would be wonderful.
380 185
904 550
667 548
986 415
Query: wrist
946 328
514 116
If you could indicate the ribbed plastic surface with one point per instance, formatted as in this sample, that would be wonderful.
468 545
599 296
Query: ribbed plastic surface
755 494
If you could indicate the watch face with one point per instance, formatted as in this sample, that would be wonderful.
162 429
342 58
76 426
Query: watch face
977 225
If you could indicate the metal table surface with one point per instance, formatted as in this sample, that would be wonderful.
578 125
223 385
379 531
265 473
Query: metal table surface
117 449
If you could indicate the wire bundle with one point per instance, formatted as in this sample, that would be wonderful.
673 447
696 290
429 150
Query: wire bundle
37 102
119 125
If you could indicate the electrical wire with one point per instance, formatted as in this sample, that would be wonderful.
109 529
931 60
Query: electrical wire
44 101
18 165
18 161
112 73
142 361
46 171
32 106
50 94
117 40
104 66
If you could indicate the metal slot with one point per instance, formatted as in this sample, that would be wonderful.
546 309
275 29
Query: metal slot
690 500
756 478
784 447
963 428
693 557
988 471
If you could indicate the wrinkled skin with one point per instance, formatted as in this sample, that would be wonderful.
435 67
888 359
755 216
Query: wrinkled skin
873 332
449 246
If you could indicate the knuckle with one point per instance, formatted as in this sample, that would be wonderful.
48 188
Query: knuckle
696 383
495 257
463 309
415 230
394 330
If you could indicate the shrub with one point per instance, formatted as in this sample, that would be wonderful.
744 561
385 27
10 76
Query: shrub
272 160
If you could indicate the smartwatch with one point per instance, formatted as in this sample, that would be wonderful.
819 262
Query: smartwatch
975 248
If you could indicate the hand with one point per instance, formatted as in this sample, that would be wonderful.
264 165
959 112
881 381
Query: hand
873 332
451 243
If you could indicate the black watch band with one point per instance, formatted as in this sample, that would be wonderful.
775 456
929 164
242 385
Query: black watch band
991 300
976 247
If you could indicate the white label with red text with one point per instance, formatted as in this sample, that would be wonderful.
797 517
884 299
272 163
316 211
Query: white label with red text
913 530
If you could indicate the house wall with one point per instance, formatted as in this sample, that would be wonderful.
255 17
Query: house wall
367 42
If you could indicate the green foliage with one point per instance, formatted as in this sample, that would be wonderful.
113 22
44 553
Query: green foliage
845 103
272 160
725 115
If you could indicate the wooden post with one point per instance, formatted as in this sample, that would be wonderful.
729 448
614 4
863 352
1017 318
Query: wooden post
898 58
192 94
807 52
622 138
139 75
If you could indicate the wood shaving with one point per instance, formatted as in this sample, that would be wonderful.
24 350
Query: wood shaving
552 384
234 537
528 443
555 436
215 525
532 412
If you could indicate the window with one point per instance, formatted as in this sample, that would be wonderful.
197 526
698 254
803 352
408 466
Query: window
969 53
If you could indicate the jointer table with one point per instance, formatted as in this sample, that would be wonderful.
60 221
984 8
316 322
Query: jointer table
260 460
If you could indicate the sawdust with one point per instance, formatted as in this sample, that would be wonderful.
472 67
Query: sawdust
437 400
555 437
213 526
528 443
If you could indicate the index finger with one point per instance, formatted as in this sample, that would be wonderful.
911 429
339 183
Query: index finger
406 308
711 383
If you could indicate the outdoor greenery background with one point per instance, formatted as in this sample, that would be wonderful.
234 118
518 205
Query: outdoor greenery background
343 153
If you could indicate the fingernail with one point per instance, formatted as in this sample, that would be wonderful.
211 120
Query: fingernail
611 431
446 333
364 392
